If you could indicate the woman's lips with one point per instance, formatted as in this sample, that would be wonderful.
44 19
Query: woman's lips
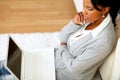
85 17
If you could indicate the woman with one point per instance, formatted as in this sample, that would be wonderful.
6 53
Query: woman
86 41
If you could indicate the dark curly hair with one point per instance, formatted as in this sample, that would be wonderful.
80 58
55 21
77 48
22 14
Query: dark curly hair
113 4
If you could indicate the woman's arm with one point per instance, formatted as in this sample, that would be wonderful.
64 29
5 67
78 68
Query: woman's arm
71 27
92 56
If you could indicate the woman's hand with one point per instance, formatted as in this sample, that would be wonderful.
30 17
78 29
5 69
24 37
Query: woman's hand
79 18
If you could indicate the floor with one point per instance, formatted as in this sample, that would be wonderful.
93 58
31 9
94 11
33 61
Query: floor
20 16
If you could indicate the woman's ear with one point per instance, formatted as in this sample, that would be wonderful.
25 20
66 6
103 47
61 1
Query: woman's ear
106 10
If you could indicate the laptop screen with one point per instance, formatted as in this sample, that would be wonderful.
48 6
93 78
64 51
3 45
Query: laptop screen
14 58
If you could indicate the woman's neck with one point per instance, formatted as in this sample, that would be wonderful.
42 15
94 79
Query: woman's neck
93 25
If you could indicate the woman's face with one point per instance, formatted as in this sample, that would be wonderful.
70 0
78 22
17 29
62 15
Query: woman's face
90 13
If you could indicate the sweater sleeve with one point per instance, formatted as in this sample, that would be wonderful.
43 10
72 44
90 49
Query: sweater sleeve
91 57
67 30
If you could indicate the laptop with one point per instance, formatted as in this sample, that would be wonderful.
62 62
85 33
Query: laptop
32 64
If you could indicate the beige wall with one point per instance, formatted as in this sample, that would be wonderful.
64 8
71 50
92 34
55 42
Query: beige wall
35 15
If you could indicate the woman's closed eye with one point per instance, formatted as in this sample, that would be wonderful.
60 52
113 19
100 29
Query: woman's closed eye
89 8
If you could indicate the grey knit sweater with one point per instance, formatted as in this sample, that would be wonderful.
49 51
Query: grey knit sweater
81 60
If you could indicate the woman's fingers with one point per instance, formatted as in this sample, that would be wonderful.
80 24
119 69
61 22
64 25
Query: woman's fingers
79 18
76 19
